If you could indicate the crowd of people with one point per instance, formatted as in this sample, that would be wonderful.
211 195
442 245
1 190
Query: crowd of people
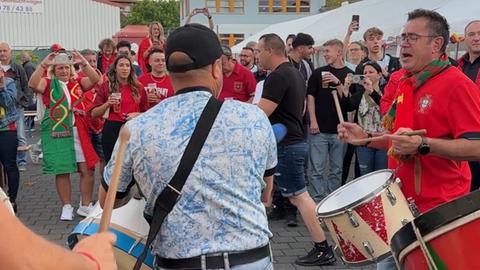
87 97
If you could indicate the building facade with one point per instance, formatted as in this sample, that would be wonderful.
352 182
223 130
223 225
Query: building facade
75 24
237 19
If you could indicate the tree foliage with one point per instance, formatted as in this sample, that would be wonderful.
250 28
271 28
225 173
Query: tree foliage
145 11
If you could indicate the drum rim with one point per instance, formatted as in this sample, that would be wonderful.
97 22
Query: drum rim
360 263
374 193
435 218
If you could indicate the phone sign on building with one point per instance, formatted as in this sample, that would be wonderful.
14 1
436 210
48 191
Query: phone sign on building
21 6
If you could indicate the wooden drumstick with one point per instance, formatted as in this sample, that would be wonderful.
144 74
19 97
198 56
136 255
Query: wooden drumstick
337 105
123 137
381 137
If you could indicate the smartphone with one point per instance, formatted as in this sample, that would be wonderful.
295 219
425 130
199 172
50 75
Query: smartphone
356 18
358 79
63 59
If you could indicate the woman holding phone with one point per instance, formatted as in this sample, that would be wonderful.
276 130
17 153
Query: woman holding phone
64 133
366 101
155 38
203 11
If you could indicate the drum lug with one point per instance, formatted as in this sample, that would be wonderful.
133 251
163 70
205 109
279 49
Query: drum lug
337 251
405 221
413 207
368 248
398 182
323 225
391 197
352 219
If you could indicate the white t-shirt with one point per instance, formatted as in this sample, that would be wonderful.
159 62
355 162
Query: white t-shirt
258 92
6 67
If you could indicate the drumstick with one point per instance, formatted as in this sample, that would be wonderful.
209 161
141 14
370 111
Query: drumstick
124 136
381 137
337 105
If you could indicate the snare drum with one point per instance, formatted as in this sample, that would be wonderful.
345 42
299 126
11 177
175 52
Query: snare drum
6 201
130 227
450 232
363 215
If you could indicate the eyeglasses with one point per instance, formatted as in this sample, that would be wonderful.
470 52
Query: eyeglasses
355 49
412 38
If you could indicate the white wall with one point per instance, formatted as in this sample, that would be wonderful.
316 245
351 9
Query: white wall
75 24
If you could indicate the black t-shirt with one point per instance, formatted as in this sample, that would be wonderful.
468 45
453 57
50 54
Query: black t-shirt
471 69
286 87
325 110
302 67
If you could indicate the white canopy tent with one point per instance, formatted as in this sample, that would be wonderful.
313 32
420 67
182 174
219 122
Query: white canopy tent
388 15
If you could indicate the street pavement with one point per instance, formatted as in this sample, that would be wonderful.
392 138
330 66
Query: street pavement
39 208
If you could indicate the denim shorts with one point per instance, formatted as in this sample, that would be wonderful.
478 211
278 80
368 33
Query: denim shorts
290 177
96 140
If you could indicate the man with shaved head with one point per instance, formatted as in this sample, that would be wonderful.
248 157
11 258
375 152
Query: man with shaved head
24 98
283 100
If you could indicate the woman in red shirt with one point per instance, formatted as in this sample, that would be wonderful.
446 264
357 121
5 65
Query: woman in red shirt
64 132
120 98
157 83
156 37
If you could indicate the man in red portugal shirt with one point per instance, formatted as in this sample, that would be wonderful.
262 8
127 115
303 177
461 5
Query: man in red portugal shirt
437 97
238 82
156 82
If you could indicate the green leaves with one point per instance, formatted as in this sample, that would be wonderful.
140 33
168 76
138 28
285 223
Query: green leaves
145 11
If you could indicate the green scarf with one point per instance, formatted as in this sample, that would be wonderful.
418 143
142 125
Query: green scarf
404 99
60 113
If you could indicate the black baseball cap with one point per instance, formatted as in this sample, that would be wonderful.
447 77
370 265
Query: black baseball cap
199 42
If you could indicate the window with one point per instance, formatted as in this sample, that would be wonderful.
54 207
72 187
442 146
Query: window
225 6
231 39
185 8
284 6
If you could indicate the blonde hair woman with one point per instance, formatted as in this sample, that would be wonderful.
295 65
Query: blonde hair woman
155 38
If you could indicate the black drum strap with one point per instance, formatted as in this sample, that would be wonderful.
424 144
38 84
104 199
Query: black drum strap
170 194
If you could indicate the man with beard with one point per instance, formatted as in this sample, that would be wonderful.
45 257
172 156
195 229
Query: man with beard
247 59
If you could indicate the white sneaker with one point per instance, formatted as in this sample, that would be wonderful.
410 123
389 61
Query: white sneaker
67 212
84 210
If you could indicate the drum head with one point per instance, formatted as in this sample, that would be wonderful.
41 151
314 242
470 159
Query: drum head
354 192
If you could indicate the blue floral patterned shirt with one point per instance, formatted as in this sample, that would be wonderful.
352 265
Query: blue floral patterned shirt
220 208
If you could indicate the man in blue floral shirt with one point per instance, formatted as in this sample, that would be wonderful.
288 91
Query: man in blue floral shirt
220 212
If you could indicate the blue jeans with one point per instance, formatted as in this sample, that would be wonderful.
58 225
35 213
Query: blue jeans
262 264
22 140
387 264
325 147
291 169
371 159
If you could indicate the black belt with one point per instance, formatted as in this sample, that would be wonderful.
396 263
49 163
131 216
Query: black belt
215 262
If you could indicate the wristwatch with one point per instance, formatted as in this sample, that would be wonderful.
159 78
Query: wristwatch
424 147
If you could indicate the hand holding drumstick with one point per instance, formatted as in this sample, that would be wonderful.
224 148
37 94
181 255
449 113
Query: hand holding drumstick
404 140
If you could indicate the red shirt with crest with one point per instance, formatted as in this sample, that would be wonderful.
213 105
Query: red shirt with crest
448 107
240 85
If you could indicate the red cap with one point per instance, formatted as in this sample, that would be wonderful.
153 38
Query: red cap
56 47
